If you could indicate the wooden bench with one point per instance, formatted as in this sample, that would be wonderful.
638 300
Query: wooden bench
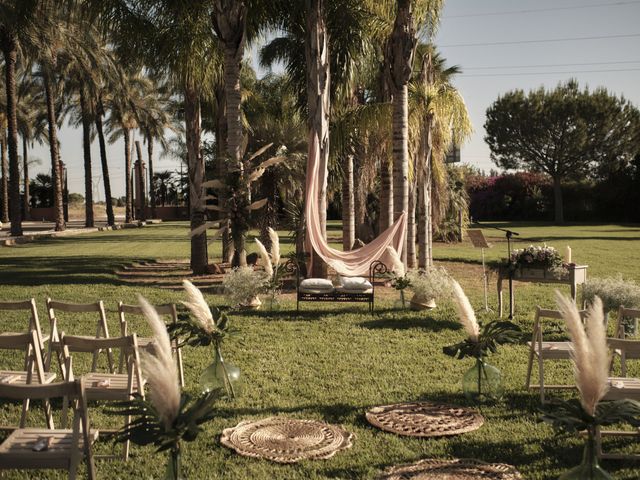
376 269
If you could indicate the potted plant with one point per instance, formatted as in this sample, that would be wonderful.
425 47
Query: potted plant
203 327
242 285
273 269
614 292
482 382
167 416
591 367
427 285
537 261
398 275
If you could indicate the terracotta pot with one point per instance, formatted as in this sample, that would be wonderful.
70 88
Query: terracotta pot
422 303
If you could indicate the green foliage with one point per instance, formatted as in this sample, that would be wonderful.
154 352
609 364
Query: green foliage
434 282
613 291
242 284
569 416
491 335
148 429
191 333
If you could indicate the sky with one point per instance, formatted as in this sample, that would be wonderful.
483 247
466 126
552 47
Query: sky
500 45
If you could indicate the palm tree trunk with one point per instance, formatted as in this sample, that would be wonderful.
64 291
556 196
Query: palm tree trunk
5 179
152 191
318 88
111 221
425 224
56 176
411 226
10 51
401 157
25 172
128 212
86 150
221 144
386 194
197 213
141 190
348 207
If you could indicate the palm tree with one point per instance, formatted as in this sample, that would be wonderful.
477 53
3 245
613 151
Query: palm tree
5 167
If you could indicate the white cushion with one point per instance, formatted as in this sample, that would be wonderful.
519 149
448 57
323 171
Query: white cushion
316 285
355 284
356 290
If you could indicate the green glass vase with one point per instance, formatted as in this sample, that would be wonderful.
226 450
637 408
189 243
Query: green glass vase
221 376
482 383
173 470
589 469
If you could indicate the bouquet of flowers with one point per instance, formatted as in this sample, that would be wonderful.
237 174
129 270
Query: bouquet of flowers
272 267
399 278
536 256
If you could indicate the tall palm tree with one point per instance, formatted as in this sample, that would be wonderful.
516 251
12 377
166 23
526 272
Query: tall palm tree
4 191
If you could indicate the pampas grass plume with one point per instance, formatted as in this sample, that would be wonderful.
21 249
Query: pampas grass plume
275 247
198 306
465 312
396 262
268 267
160 369
590 353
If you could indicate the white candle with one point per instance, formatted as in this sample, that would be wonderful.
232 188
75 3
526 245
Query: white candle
567 254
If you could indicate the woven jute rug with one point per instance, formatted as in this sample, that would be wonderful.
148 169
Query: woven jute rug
286 440
456 469
424 419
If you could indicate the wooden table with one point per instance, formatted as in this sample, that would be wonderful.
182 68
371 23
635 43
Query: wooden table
577 276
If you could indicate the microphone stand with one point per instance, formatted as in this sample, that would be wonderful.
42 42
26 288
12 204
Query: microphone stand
508 234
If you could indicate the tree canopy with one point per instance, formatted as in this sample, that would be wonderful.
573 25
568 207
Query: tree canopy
566 133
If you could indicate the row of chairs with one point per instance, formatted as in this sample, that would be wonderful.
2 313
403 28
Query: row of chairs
115 383
621 346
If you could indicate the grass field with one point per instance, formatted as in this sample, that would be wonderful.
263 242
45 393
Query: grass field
328 364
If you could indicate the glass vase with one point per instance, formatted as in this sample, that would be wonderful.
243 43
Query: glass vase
273 303
482 383
173 470
589 469
221 376
401 303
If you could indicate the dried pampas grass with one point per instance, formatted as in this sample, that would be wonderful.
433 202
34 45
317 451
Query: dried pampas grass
198 306
160 369
397 266
275 247
590 352
268 267
465 312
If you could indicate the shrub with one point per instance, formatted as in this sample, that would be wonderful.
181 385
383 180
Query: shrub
613 291
243 284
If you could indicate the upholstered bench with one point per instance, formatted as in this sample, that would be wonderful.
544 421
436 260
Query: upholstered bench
351 289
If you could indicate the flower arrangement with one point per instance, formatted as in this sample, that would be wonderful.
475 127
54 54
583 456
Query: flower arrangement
591 366
167 416
398 276
242 285
429 284
536 256
482 381
272 267
614 292
206 326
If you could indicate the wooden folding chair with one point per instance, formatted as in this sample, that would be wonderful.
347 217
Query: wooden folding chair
34 369
28 306
107 386
541 350
64 447
621 387
169 311
102 330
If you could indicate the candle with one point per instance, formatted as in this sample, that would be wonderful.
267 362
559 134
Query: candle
567 254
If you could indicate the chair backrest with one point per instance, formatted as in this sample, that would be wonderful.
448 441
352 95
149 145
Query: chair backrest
544 313
168 309
625 313
74 391
128 345
28 342
628 349
34 320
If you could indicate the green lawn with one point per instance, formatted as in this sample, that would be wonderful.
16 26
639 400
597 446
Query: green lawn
328 364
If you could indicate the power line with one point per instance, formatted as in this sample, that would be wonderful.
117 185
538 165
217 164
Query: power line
548 73
548 40
538 10
496 67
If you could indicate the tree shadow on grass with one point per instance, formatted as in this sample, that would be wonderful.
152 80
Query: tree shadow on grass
407 323
60 270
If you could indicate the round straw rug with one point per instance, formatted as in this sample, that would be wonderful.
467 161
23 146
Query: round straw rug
286 440
457 469
424 419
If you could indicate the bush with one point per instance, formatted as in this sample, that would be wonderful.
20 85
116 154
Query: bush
613 291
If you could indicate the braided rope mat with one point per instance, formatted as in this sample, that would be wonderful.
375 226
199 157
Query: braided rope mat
424 419
286 440
457 469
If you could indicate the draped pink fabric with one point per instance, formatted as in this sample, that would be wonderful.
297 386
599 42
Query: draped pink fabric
354 262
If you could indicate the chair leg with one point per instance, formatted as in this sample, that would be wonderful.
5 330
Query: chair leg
127 444
529 370
180 366
541 374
